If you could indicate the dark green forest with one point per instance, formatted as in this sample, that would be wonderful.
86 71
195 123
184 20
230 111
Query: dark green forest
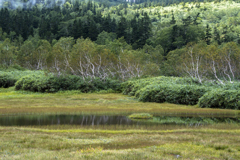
122 40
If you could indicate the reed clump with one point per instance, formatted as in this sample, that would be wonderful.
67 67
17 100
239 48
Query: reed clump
140 116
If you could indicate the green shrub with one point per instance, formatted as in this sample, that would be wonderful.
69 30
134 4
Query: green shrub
7 80
131 87
12 68
231 86
172 93
220 98
51 83
27 82
184 91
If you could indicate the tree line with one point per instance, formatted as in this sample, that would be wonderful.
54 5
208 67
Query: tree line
88 22
137 38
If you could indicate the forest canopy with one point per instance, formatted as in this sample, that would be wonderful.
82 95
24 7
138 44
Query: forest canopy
126 40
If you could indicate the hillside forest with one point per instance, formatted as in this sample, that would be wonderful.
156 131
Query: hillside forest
123 40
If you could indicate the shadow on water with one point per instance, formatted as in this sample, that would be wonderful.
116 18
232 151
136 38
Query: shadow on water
96 120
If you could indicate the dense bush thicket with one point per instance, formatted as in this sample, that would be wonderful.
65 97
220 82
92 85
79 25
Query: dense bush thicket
219 98
184 91
231 86
8 79
51 83
131 87
175 93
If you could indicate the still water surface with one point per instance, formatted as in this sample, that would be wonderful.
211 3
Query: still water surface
94 120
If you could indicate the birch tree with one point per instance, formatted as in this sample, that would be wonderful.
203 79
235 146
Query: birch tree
230 56
8 53
60 55
41 54
193 61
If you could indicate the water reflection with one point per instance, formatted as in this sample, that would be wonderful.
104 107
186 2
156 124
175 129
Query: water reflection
64 120
94 120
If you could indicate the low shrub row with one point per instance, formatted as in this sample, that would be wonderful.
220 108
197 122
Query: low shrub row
219 98
131 87
184 91
158 89
8 79
51 83
178 94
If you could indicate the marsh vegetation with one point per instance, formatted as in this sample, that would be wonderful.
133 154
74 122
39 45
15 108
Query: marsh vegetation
196 137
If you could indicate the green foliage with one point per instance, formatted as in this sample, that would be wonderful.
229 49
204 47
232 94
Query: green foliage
52 83
160 30
27 83
172 93
130 87
184 91
140 116
105 38
8 79
193 120
231 86
166 89
219 98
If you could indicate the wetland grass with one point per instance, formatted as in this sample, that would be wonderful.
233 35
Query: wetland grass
218 141
22 102
140 116
32 143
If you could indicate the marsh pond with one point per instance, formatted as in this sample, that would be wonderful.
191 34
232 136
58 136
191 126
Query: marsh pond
96 120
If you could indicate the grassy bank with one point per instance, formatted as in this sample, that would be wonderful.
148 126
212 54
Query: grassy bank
19 102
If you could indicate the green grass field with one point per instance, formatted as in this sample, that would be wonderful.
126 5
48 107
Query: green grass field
22 102
218 141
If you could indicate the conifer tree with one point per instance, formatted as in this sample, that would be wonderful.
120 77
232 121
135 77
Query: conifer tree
208 35
173 21
216 35
121 28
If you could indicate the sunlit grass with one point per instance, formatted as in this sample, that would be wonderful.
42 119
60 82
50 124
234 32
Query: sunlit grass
77 128
36 143
19 102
